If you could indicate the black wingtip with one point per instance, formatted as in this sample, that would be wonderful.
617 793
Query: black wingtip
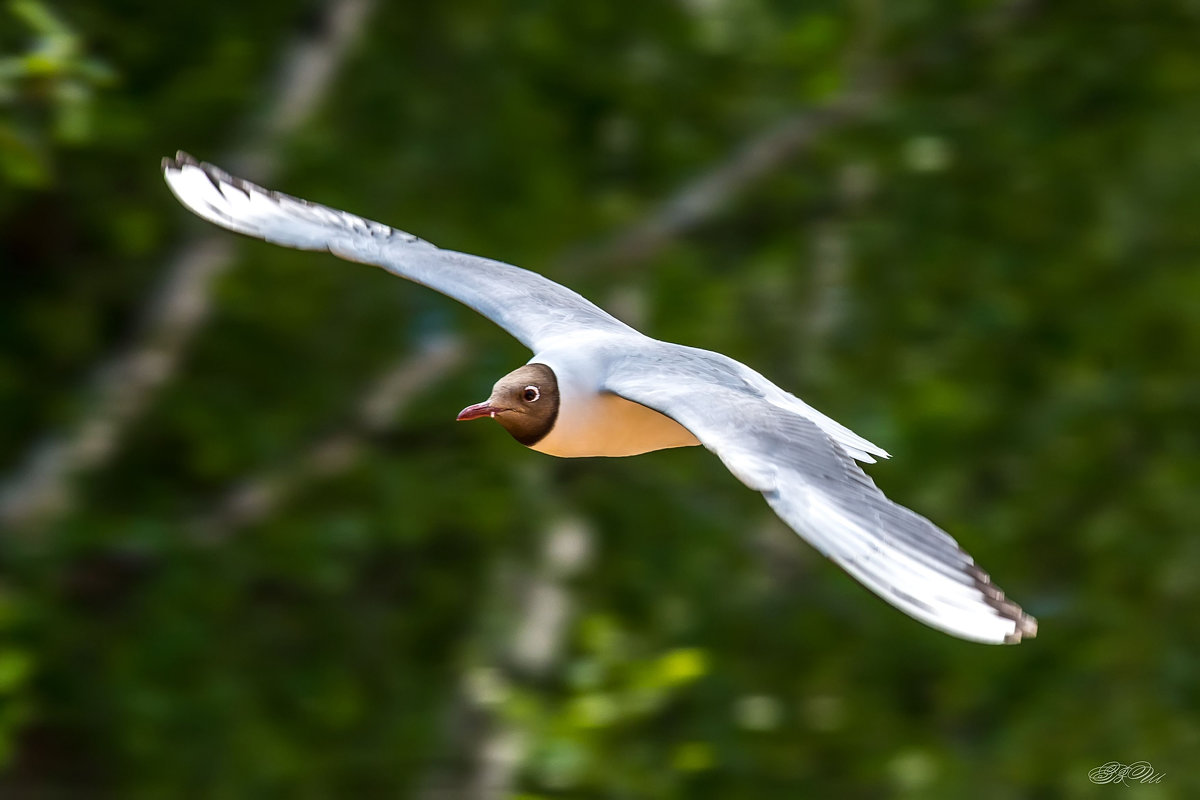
180 160
1027 628
1025 625
215 174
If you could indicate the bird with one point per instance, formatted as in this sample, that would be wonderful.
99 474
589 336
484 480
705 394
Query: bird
595 386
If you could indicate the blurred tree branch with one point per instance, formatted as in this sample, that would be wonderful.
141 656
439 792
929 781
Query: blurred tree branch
256 497
757 157
123 386
488 749
708 193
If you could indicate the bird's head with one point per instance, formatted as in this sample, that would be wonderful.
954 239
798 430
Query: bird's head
525 402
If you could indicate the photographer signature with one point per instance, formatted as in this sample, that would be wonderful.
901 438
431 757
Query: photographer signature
1116 772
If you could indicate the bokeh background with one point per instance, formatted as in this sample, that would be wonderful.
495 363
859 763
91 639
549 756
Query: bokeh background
248 553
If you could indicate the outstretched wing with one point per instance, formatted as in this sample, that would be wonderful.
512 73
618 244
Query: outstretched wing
818 490
530 307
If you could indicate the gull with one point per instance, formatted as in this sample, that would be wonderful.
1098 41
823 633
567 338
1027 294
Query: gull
597 387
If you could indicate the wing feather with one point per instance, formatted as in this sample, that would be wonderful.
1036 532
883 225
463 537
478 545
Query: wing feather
815 486
533 308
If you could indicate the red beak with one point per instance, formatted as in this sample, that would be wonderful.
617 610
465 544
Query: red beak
478 410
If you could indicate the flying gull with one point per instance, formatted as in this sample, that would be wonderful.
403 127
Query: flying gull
597 387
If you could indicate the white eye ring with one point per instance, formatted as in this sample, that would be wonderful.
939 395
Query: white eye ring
532 394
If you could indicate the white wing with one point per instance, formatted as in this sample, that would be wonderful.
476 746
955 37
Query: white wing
818 490
530 307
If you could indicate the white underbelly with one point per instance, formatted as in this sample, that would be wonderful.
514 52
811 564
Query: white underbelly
613 426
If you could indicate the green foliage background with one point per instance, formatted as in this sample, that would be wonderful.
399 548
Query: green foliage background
992 272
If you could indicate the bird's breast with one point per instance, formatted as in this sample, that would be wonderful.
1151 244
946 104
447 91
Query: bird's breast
610 425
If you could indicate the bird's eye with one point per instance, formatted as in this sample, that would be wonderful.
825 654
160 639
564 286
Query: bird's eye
531 394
